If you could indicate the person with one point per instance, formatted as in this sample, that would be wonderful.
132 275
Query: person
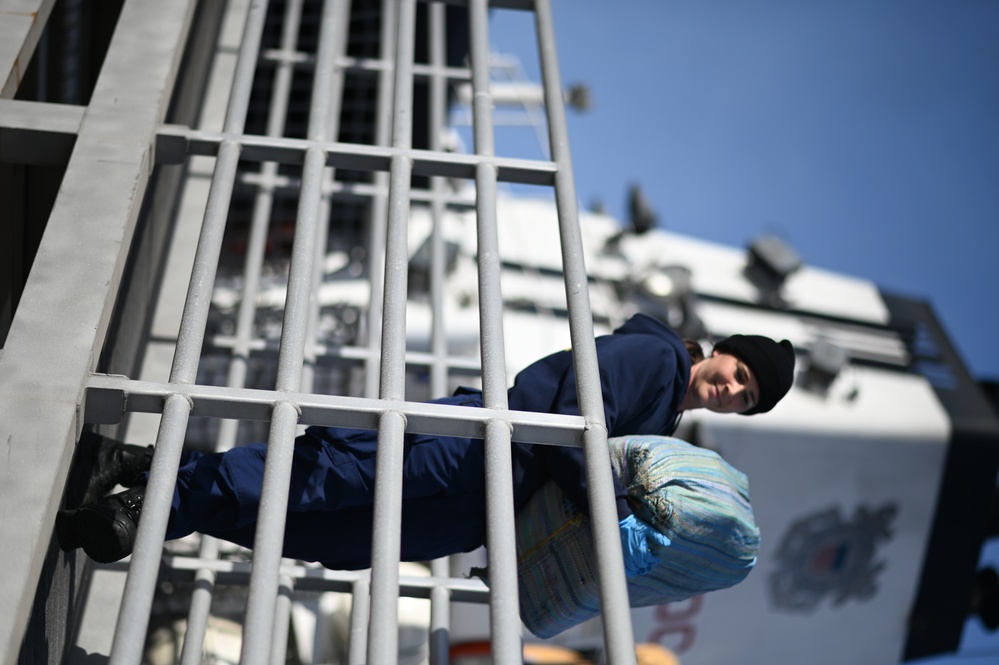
648 379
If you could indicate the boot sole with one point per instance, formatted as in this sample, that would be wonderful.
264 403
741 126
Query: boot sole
104 538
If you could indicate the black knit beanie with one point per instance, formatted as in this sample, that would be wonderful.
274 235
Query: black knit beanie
772 365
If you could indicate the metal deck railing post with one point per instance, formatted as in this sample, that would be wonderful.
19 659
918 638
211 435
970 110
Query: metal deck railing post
201 603
259 621
268 541
616 614
379 204
438 110
357 642
501 536
383 631
335 24
201 597
282 620
440 603
133 617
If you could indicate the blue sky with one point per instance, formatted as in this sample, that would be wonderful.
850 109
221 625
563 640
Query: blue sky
863 132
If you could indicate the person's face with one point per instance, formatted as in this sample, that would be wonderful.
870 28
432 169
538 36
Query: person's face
724 384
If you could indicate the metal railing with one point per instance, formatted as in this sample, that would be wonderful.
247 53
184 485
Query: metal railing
49 388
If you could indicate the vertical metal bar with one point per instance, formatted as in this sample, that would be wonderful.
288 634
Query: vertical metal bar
319 251
259 621
393 370
440 615
262 209
383 632
140 586
201 604
501 535
195 316
616 614
379 205
337 30
201 597
501 544
282 620
382 636
268 540
440 598
491 308
133 617
438 109
358 640
324 125
296 308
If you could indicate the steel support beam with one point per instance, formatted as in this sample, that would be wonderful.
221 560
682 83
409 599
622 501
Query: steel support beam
57 333
37 133
21 25
618 636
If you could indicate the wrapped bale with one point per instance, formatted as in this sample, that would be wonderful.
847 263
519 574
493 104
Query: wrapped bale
694 503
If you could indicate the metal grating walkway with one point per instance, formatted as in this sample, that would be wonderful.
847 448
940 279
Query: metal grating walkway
129 139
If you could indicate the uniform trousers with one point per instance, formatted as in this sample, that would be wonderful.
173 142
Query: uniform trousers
331 497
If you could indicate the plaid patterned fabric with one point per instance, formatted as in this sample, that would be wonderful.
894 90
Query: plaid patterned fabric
689 494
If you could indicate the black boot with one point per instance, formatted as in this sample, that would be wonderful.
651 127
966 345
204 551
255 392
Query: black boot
105 530
101 464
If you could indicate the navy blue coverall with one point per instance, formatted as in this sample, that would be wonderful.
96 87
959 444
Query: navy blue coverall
644 371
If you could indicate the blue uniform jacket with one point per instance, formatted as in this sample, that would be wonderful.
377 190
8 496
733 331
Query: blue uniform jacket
644 371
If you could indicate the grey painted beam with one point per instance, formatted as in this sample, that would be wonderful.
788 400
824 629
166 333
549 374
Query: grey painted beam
21 26
60 326
37 133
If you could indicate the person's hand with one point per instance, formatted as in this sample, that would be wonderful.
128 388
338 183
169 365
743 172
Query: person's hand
636 545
